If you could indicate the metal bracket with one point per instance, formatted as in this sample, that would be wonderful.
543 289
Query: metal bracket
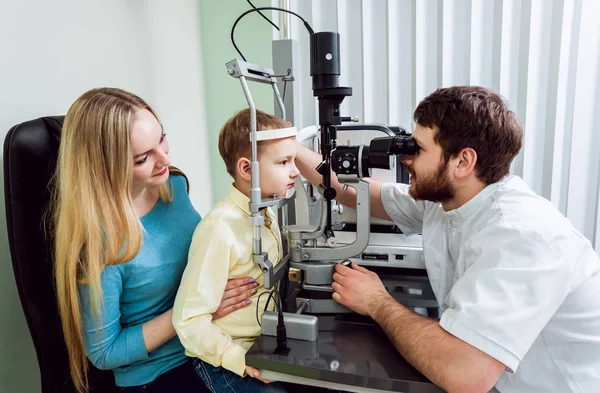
271 274
245 71
299 252
255 73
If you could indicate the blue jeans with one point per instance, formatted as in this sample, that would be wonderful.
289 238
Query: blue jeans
221 380
181 379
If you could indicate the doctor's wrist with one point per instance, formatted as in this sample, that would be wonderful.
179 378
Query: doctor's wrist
381 306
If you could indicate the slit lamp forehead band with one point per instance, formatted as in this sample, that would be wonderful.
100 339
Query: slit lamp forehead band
278 133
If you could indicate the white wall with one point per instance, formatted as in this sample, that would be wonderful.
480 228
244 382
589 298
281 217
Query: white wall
543 56
50 53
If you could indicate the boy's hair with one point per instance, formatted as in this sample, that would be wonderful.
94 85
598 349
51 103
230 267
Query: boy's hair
234 137
475 117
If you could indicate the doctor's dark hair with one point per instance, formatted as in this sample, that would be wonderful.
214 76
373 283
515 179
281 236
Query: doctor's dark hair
475 117
234 138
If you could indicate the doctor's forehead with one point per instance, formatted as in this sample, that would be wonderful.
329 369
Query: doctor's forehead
424 135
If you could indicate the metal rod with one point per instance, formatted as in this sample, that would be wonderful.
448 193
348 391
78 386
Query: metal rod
285 20
255 196
303 305
255 179
279 100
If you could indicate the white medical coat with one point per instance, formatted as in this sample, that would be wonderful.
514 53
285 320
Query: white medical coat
514 279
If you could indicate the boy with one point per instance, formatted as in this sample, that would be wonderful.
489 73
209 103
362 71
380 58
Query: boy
222 249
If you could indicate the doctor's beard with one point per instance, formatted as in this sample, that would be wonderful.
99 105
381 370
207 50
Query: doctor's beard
434 187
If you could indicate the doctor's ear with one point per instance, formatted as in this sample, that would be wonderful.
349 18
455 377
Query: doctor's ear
243 168
466 161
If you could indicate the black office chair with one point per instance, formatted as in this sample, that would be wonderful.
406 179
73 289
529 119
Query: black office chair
30 152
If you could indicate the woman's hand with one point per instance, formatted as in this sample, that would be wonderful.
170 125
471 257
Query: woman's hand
236 295
255 373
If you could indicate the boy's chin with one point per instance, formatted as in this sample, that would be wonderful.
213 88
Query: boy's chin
268 196
286 194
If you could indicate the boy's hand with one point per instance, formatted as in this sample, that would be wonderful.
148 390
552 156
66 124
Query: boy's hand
255 373
236 296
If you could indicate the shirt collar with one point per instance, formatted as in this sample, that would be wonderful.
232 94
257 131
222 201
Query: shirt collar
239 199
242 201
475 203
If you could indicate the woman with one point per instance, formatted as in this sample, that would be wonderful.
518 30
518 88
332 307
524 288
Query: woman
123 224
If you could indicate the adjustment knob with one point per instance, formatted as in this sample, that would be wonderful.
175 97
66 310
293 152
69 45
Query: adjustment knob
329 193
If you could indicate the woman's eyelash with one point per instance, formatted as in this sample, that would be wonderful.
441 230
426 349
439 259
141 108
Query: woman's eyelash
142 160
162 138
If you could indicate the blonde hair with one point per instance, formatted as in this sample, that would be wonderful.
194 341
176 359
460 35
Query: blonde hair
234 137
94 220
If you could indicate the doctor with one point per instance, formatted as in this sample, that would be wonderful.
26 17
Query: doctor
518 287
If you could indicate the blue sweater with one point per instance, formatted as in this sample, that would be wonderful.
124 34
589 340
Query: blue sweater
140 290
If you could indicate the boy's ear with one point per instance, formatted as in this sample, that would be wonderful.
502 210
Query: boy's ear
243 168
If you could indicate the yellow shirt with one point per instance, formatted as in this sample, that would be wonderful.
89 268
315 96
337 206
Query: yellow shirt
222 249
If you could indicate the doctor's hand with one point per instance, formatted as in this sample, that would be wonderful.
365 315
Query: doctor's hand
358 289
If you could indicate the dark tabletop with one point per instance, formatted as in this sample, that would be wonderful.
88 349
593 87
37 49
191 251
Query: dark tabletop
346 353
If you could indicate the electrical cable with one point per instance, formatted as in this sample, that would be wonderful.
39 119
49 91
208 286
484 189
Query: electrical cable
283 95
281 340
283 290
269 299
282 348
277 301
263 15
258 9
257 305
270 296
